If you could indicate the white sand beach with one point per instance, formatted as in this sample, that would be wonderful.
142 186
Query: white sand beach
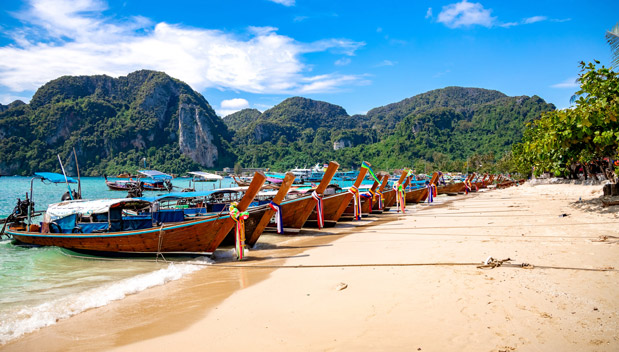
391 282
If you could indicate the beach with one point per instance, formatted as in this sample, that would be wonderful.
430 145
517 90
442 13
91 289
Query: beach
394 282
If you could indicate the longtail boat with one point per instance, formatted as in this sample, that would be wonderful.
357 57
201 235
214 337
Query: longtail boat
357 205
489 181
110 230
453 188
481 183
260 217
335 205
295 212
421 194
390 195
368 199
121 185
376 209
509 183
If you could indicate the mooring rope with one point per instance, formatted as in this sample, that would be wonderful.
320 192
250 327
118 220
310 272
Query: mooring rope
480 265
160 244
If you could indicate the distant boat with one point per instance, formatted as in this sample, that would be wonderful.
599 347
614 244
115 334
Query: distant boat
121 185
127 226
159 181
201 176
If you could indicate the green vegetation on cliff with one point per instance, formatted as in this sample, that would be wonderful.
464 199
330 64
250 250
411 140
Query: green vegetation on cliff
113 124
118 124
442 128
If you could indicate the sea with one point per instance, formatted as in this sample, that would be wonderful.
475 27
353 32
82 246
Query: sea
42 285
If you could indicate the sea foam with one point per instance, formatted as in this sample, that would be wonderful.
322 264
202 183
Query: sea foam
16 323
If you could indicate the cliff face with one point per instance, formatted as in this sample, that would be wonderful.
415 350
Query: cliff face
196 137
114 124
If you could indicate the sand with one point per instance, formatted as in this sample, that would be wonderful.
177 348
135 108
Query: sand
391 282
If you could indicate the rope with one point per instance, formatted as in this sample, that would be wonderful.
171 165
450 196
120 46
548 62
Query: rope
356 201
504 263
239 218
278 216
160 244
320 217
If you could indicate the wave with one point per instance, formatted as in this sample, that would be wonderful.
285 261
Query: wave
20 321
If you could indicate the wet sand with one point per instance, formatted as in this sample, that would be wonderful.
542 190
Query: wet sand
391 282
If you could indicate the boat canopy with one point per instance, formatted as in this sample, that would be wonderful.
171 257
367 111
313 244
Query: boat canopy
53 177
185 195
155 175
206 175
89 207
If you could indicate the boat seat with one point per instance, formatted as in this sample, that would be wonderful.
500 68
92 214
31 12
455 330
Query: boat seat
90 227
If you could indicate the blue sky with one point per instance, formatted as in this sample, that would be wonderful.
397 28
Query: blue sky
356 54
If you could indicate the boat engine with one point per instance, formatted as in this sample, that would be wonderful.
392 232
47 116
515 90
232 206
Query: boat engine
135 191
69 196
168 185
21 209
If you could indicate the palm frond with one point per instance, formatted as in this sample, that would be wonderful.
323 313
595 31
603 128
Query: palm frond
612 37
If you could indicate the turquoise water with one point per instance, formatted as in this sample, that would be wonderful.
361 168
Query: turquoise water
39 286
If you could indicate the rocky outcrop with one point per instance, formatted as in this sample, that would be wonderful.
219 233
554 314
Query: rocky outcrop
195 135
114 123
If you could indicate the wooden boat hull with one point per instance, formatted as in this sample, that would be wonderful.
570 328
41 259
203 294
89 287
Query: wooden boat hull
417 196
452 188
202 235
196 236
251 226
120 187
389 199
331 209
349 213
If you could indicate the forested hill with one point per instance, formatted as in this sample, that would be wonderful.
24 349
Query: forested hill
441 126
292 118
147 117
114 124
459 99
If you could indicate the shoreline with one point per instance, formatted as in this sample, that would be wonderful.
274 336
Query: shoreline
376 285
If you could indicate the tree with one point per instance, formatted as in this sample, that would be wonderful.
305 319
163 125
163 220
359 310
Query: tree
612 37
586 133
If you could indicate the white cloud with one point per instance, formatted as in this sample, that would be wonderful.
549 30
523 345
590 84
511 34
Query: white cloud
284 2
429 13
236 103
568 83
63 37
342 62
327 83
231 106
534 19
386 63
528 20
465 14
6 99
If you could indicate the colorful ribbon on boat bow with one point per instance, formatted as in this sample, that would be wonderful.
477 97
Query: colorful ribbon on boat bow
400 197
377 194
278 216
431 192
467 186
320 217
368 196
356 201
239 217
366 165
